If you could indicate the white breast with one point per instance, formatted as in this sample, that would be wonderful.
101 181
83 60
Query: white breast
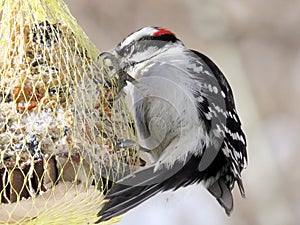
165 111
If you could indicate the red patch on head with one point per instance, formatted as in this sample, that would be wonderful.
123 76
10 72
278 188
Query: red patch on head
163 31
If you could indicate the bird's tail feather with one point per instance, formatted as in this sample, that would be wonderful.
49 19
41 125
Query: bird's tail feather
130 192
145 183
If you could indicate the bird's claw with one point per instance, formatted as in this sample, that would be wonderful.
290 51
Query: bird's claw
128 143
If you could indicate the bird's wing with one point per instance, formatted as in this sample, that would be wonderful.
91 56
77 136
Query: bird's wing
221 115
222 193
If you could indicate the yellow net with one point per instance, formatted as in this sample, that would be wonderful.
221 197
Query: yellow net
59 118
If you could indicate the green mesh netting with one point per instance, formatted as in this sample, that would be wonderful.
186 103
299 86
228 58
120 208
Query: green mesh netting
58 118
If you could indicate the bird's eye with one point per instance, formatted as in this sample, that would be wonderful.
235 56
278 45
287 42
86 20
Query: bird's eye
128 50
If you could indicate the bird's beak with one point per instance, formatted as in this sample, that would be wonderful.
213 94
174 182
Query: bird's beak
112 58
117 65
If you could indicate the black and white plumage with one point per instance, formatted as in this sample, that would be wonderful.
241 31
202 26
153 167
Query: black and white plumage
186 118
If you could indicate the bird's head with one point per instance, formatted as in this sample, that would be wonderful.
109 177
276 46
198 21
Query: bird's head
144 44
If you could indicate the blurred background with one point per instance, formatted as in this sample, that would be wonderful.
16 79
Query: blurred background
257 45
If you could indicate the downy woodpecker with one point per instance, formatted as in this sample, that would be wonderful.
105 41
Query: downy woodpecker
186 119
